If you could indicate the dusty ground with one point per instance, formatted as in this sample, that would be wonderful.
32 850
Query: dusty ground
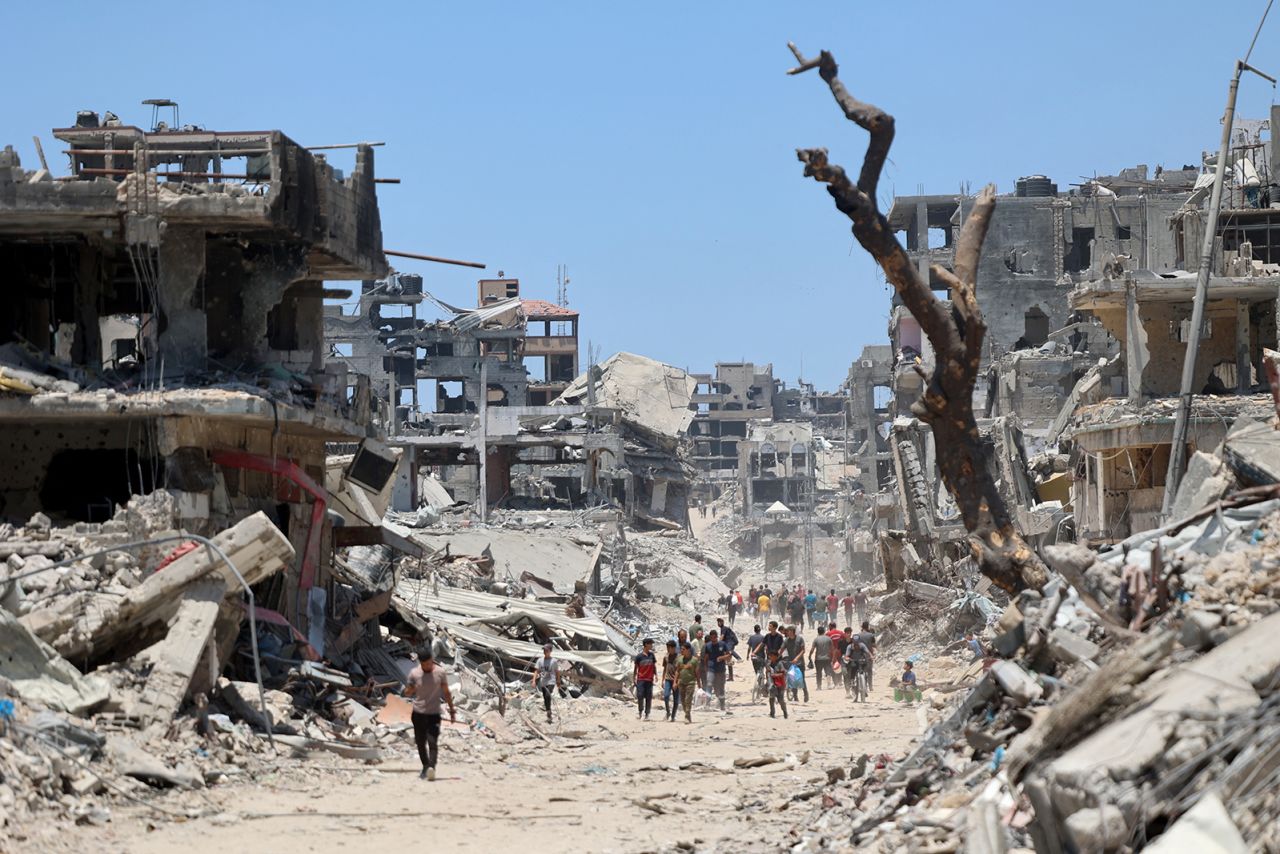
577 793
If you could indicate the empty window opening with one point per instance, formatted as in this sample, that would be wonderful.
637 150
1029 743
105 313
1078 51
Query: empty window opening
1081 255
939 238
86 484
880 397
1123 232
1036 327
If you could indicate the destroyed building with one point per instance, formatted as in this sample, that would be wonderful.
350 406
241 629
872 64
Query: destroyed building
162 330
728 401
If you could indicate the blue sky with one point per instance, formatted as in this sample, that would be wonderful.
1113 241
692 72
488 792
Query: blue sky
650 146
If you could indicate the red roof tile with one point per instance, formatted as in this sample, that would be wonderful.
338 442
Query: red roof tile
538 309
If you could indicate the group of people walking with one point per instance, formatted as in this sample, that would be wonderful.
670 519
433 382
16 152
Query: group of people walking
780 658
802 606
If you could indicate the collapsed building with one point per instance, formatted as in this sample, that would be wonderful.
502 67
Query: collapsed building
1087 295
162 330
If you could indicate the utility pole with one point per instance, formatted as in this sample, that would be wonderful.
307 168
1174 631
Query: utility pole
1177 450
483 441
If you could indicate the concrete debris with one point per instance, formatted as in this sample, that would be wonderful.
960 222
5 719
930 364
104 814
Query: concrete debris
38 675
650 397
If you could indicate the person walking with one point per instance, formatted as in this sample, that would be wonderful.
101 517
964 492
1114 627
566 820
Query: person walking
797 609
860 605
811 607
730 605
687 680
729 638
777 684
644 672
793 652
546 677
847 602
869 641
670 694
428 686
758 655
762 604
820 651
716 655
832 604
695 626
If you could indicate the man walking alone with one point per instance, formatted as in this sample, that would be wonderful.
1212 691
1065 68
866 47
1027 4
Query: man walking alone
428 686
546 677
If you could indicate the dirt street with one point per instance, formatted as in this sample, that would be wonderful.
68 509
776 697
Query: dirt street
605 782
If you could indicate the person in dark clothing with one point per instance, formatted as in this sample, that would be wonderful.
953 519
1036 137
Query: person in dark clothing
729 638
793 652
546 677
715 654
869 641
773 639
670 689
777 684
645 671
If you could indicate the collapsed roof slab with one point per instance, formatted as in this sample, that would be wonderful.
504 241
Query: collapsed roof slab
221 405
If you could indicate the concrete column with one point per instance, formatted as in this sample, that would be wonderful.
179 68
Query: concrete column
922 238
1244 360
184 337
1135 345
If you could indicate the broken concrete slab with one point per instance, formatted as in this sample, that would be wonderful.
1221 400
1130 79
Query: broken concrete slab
1220 682
1206 828
652 398
173 661
133 761
242 697
1068 647
82 629
1016 682
1207 479
39 675
1253 453
1098 828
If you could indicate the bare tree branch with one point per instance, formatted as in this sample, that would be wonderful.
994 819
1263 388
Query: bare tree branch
956 333
869 117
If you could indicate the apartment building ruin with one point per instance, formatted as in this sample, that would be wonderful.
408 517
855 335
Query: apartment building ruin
161 331
728 401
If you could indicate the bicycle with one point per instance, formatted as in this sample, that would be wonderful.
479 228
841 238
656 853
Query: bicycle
861 688
760 688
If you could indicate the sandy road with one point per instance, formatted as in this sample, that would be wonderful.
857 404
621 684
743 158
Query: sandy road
577 793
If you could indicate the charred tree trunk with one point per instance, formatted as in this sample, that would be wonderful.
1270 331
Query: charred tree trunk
956 334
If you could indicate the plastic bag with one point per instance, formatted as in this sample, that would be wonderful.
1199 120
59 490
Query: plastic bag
794 676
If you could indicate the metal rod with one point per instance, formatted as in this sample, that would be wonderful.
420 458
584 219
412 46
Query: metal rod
171 152
433 258
1173 475
341 145
386 180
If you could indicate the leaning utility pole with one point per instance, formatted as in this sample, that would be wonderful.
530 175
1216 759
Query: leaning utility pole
1177 450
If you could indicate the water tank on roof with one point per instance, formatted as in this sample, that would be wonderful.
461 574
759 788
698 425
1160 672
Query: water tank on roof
1036 186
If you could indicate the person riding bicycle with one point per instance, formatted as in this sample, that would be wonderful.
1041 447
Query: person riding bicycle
857 660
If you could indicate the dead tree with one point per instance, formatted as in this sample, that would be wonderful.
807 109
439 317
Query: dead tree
956 333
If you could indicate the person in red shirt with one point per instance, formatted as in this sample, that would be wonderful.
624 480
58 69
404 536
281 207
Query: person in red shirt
847 602
645 672
832 603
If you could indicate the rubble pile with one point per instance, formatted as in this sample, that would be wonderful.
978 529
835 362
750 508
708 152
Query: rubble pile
1099 719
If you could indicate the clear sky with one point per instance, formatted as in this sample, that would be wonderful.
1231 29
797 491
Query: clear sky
650 146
